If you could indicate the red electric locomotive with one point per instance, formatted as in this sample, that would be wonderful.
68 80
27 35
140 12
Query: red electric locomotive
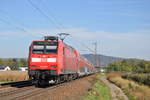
54 60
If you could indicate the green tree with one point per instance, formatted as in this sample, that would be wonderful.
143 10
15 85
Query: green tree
130 65
23 62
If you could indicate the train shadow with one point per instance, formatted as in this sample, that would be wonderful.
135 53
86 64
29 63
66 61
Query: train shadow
19 84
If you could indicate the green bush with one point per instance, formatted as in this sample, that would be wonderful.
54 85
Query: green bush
140 78
130 65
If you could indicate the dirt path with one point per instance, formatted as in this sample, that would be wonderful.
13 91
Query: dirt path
116 92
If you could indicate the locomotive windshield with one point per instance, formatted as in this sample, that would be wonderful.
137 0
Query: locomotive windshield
44 47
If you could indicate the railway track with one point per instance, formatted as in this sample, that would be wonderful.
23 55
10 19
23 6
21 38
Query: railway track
34 92
11 88
25 92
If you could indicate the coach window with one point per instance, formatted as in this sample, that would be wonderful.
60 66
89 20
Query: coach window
82 69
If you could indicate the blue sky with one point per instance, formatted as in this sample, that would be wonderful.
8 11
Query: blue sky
120 27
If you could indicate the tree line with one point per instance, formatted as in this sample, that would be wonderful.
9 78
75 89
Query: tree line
130 65
14 63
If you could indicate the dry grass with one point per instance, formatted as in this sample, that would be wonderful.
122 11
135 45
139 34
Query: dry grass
111 75
7 76
140 92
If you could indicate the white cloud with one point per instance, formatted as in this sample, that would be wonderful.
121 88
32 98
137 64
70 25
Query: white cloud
130 44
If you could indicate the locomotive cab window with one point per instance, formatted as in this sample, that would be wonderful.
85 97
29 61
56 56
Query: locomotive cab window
44 48
51 49
38 49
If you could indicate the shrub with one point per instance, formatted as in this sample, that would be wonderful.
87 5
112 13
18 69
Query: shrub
140 78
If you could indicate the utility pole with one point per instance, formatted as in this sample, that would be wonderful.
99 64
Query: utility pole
95 54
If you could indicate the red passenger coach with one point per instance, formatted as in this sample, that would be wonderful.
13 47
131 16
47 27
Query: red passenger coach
54 60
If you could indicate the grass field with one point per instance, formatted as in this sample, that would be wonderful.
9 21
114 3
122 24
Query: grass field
11 76
132 89
99 91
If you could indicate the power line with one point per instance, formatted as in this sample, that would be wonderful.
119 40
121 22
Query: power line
53 16
63 27
83 45
19 27
16 26
45 15
96 61
59 23
9 17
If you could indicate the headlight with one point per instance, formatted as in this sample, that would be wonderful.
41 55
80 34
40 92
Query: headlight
36 59
51 60
34 66
53 66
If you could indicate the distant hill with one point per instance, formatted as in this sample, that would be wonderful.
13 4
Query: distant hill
102 59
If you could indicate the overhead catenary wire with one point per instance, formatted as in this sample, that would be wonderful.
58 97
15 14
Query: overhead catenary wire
61 25
44 15
83 45
14 25
53 16
19 26
6 14
52 19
